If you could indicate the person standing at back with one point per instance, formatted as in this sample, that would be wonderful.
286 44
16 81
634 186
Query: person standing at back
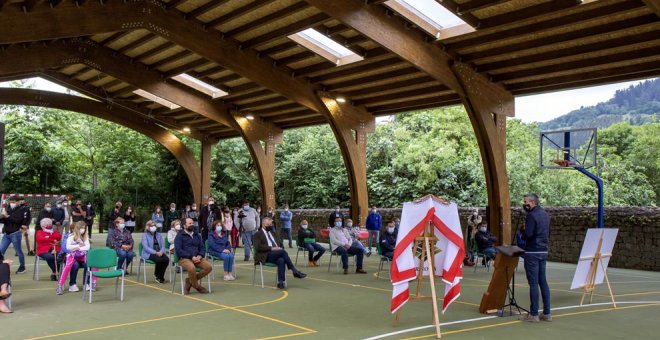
285 230
60 213
89 218
158 218
536 234
333 216
15 220
248 220
129 219
113 215
209 213
171 215
374 224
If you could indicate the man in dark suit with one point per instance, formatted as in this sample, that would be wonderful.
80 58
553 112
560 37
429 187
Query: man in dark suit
267 250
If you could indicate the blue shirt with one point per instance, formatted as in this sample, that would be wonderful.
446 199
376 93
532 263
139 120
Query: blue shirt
285 218
374 221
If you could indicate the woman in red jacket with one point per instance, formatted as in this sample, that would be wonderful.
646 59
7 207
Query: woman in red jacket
48 245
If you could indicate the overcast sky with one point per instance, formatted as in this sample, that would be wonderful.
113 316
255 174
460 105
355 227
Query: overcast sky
534 108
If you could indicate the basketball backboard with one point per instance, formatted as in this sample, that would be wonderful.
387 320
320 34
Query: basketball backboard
565 149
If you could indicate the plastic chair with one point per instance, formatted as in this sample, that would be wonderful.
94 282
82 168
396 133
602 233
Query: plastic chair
383 259
333 253
303 249
103 258
147 261
35 271
477 254
181 270
9 298
261 270
213 259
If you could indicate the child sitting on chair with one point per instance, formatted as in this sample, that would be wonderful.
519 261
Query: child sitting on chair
77 246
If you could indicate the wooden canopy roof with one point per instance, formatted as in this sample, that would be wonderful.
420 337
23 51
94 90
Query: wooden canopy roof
107 49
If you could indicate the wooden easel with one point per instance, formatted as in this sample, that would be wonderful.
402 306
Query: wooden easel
597 260
427 241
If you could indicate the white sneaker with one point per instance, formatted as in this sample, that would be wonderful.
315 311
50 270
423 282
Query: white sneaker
231 277
226 278
74 288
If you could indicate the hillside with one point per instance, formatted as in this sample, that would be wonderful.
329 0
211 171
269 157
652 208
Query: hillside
637 105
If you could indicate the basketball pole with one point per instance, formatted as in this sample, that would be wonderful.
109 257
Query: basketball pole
599 184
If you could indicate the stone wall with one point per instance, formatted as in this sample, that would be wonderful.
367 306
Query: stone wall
637 245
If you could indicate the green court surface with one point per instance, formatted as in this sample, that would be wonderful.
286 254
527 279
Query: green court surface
325 305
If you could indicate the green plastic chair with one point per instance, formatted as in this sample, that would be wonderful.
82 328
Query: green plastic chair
213 259
181 270
261 269
303 249
104 258
383 259
147 261
333 253
477 254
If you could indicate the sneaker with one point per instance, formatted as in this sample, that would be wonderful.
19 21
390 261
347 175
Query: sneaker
74 288
360 271
545 317
281 285
59 290
529 318
21 270
31 253
299 274
161 281
53 277
225 278
231 277
345 271
368 253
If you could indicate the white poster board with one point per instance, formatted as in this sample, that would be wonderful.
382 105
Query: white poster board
589 249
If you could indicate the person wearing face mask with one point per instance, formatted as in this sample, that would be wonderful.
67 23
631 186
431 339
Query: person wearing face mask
220 246
209 213
77 245
248 221
153 248
235 234
171 215
189 247
341 244
122 243
59 214
285 230
334 215
46 212
486 242
354 231
374 225
112 216
129 219
175 228
90 214
268 250
536 234
191 212
388 240
158 218
48 245
397 223
307 239
14 218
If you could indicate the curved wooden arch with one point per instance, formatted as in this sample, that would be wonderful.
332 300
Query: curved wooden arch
117 115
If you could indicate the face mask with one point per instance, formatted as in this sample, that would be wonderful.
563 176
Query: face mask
482 229
177 227
47 208
337 210
187 209
89 206
527 207
304 226
268 227
172 209
157 210
121 226
349 224
12 205
211 202
286 209
338 224
64 204
152 229
218 229
246 207
82 231
397 224
190 228
390 230
59 205
373 211
194 208
49 229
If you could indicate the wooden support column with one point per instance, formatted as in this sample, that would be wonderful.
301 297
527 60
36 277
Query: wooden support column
205 189
351 125
261 138
488 105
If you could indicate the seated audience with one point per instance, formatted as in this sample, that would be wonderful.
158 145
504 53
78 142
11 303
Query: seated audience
153 248
189 247
342 245
77 246
307 240
122 242
388 240
485 241
48 245
354 231
267 250
5 281
220 246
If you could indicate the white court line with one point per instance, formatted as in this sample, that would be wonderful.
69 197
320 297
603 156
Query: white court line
494 316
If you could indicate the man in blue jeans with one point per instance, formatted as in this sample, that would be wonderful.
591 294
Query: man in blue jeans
536 233
374 224
15 220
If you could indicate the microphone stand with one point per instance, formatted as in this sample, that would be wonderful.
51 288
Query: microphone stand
511 289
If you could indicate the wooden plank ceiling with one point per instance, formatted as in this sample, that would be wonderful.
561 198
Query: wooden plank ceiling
528 46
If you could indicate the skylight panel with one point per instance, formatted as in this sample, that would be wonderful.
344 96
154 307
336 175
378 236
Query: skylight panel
427 15
200 86
325 47
154 98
